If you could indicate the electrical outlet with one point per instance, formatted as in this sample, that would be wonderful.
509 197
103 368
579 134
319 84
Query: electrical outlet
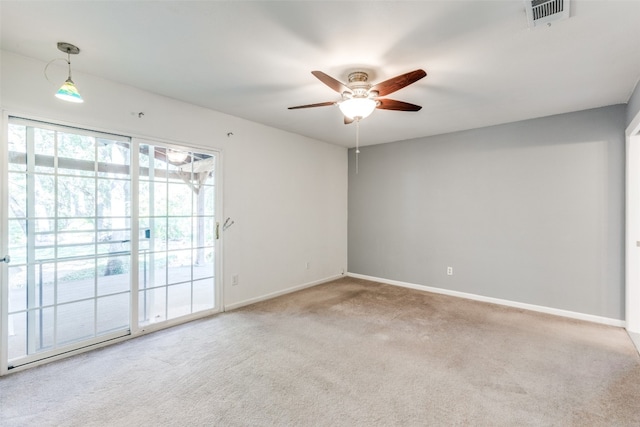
234 280
449 271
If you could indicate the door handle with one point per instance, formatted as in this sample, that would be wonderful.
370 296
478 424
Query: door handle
6 259
217 230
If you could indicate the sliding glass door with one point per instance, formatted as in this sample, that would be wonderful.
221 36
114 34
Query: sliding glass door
106 236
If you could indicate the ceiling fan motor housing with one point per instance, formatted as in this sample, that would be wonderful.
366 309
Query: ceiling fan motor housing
358 83
358 76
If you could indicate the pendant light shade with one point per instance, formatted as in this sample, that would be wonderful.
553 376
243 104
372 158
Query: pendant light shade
69 92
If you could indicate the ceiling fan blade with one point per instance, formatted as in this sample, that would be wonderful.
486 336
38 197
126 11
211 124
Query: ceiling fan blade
331 82
320 104
392 104
398 82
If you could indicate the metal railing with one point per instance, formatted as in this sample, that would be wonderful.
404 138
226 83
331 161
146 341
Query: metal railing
40 262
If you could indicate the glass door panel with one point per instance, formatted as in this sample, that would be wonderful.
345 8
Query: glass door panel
177 227
69 238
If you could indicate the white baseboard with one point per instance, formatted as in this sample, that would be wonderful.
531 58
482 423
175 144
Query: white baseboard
250 301
541 309
635 337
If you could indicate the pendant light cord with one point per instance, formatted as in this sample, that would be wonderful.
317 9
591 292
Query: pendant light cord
357 141
69 62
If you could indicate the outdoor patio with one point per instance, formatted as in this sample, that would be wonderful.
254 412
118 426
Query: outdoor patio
90 307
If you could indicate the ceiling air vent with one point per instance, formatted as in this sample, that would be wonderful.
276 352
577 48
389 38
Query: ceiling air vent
544 12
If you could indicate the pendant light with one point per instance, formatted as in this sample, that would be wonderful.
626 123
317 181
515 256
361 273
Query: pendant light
68 91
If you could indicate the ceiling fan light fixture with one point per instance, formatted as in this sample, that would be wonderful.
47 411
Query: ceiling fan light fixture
357 107
176 156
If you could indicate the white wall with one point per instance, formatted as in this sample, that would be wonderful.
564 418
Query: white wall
286 193
633 105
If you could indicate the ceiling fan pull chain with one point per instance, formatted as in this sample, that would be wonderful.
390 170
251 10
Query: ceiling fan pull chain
357 141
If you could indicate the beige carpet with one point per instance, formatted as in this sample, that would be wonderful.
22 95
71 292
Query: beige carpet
346 353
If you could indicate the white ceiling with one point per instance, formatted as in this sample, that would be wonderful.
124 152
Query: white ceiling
254 59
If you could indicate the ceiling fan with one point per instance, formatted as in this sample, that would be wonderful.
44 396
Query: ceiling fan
359 97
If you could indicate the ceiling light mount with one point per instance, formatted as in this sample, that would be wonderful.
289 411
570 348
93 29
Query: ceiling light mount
68 48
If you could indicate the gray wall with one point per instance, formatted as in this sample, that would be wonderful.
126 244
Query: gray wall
531 211
633 107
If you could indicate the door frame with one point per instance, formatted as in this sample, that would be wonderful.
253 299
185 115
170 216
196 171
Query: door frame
135 329
4 244
632 234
